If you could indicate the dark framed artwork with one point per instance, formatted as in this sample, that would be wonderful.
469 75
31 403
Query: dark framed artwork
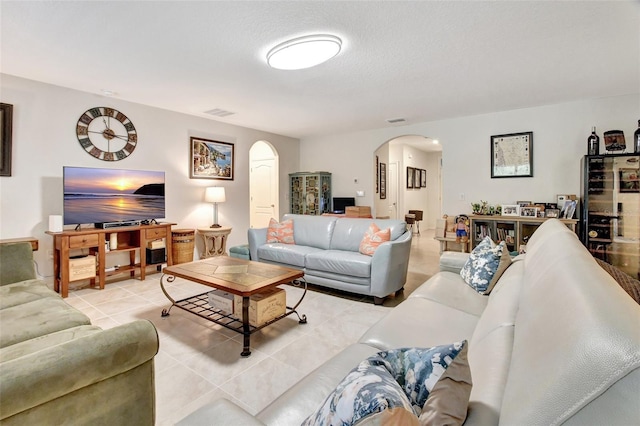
423 178
416 178
410 176
383 181
211 159
6 126
512 155
629 180
377 174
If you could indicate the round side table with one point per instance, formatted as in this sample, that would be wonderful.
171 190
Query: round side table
215 241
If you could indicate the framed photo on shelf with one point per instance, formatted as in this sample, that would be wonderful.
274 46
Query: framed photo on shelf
512 155
510 210
568 210
383 181
410 176
629 180
529 211
552 213
423 178
211 159
562 198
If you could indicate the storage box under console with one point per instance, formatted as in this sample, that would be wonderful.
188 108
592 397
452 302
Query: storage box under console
156 255
82 268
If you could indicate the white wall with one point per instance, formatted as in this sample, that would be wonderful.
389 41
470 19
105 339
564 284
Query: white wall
559 141
44 141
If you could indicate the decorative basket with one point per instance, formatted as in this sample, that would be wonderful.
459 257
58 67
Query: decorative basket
182 243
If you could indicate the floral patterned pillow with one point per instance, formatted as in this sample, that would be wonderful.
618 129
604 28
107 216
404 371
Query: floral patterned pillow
373 238
280 232
407 386
485 265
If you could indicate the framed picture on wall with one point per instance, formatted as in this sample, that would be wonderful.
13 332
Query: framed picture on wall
423 178
211 159
6 124
377 174
512 155
416 178
410 176
383 181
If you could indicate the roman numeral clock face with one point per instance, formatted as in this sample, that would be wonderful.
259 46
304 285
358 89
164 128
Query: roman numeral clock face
106 134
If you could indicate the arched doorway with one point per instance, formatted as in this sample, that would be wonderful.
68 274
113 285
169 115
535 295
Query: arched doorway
418 153
263 184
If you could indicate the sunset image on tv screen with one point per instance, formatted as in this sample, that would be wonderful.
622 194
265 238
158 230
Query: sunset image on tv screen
111 195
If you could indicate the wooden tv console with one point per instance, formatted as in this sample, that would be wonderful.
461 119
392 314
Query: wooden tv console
130 239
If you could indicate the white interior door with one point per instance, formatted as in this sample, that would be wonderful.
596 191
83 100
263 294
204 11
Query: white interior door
392 190
263 179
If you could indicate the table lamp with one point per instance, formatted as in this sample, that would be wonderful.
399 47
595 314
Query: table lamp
215 195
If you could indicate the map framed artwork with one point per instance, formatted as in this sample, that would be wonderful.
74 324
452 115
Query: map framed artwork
512 155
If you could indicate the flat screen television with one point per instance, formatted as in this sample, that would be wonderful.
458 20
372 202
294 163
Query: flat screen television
100 196
340 204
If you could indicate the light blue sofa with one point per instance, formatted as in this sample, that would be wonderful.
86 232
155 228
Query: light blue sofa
327 250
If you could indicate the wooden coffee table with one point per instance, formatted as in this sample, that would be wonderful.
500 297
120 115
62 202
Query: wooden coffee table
237 276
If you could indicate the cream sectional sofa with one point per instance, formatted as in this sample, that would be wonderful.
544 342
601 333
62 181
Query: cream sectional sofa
557 341
56 368
326 248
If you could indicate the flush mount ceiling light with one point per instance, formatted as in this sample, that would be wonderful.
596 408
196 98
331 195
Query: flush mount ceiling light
304 52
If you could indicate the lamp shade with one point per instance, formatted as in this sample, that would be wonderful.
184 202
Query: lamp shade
214 194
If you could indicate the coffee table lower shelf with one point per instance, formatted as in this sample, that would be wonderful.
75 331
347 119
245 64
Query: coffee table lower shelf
199 305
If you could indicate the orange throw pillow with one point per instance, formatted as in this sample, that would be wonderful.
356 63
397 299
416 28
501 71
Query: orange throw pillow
280 232
373 238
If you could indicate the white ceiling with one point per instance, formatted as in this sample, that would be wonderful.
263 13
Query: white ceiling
419 60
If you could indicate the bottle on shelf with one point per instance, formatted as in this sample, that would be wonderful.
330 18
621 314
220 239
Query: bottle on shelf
636 140
593 143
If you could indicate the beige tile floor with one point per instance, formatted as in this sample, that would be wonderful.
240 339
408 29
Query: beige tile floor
199 361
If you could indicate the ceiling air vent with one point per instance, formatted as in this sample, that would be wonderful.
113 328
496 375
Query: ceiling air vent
396 120
219 112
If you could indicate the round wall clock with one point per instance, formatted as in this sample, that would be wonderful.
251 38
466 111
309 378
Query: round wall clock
106 134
